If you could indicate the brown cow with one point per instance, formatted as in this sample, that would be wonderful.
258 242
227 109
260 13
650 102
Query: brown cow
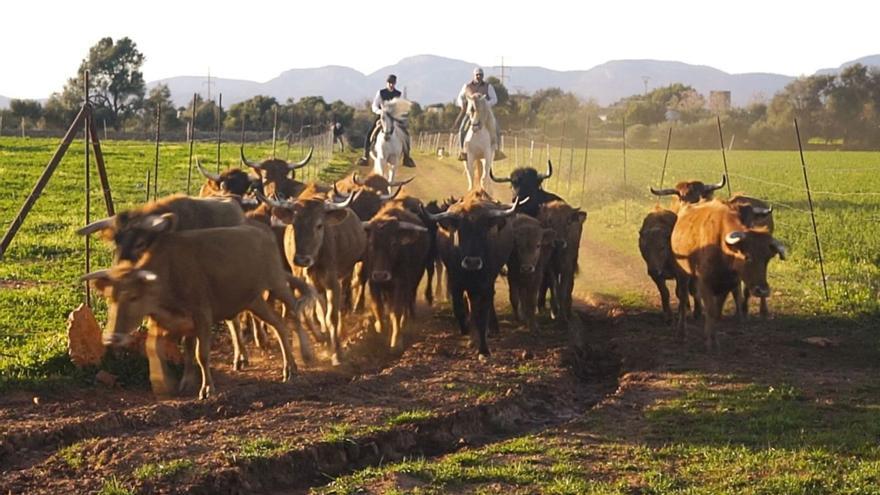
567 223
275 174
656 249
474 241
232 181
712 245
690 192
758 214
188 280
326 239
397 247
372 181
134 231
532 248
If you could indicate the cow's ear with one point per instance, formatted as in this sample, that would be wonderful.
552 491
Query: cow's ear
166 222
285 215
103 286
779 249
579 216
335 217
448 224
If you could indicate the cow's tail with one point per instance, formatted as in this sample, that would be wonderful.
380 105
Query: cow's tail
308 296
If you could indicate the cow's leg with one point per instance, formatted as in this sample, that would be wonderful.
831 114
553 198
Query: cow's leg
765 311
190 377
484 176
265 312
682 291
239 359
439 293
481 307
377 307
712 304
458 307
698 302
469 171
527 300
494 328
566 287
664 297
513 290
305 345
203 355
359 285
429 287
334 321
740 304
397 313
161 379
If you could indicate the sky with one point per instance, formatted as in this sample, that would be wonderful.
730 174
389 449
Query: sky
43 42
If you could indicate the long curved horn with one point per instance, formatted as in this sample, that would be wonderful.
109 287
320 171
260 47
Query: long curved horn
496 179
253 165
271 202
302 163
411 226
330 205
779 249
105 273
715 187
549 171
204 171
401 182
356 179
390 196
761 211
509 211
436 217
664 192
93 227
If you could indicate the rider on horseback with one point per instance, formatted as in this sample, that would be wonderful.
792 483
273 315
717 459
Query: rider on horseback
477 86
388 93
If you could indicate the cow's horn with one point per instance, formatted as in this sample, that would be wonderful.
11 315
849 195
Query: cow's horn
664 192
760 210
401 182
204 171
734 237
93 227
436 217
357 180
496 179
271 202
253 165
549 171
411 226
302 163
779 248
331 205
715 187
390 196
105 273
511 210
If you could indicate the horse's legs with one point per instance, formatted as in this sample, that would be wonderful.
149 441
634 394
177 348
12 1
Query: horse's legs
469 171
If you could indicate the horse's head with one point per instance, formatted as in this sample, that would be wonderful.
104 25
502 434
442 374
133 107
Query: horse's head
395 110
477 109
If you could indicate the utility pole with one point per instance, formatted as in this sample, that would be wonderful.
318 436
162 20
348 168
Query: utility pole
504 75
645 80
208 83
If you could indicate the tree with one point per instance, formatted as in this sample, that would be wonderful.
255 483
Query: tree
29 110
116 83
160 97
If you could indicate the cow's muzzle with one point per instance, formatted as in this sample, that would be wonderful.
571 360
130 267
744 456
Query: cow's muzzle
381 276
472 263
117 339
303 260
527 268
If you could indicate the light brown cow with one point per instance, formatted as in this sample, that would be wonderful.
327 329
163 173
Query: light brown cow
188 280
567 223
134 231
326 239
712 245
276 175
397 247
532 248
758 214
689 192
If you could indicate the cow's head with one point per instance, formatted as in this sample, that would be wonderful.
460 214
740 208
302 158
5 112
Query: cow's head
387 236
752 250
233 181
470 223
376 182
525 181
654 240
691 191
133 232
132 294
529 239
275 171
564 220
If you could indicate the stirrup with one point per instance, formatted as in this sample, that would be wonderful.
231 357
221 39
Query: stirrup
363 162
499 155
462 156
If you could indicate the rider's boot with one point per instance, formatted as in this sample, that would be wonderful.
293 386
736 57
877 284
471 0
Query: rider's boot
407 160
499 155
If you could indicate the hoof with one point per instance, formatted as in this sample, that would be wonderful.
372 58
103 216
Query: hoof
334 360
205 392
483 358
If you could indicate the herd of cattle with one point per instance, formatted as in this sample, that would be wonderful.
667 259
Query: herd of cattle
270 252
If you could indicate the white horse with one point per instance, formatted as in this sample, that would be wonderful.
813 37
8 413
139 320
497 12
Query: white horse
388 151
478 142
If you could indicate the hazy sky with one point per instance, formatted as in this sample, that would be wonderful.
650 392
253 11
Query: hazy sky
42 43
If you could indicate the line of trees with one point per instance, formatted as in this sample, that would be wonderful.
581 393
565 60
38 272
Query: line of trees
842 109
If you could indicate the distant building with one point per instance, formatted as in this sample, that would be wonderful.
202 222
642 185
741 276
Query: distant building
435 108
719 101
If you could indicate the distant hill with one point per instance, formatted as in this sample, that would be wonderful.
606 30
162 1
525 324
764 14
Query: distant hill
4 101
431 79
870 61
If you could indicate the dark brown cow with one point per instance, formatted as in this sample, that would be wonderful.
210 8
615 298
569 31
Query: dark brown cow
397 247
567 223
656 249
326 239
712 245
689 192
188 280
276 175
532 248
757 214
232 181
135 230
474 241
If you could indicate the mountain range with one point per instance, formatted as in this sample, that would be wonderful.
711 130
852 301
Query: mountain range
432 79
